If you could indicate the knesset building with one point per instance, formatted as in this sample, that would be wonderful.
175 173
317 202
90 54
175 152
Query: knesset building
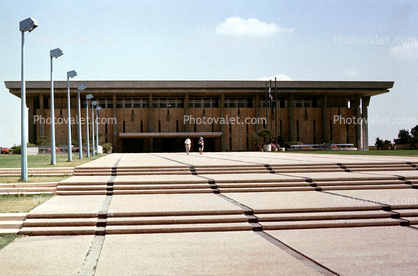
148 116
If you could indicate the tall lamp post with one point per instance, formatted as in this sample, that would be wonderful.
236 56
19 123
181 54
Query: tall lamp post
25 25
93 104
80 141
55 53
97 128
88 97
70 74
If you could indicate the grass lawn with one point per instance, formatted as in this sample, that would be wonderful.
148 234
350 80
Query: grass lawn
33 179
21 203
44 160
5 239
367 152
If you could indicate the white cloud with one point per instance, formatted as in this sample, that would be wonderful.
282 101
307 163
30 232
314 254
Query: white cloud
407 51
237 26
351 73
280 77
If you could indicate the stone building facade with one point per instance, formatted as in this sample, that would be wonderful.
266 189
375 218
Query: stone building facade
144 116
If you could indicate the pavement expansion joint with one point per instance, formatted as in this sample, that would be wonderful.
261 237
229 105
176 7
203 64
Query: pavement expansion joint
296 254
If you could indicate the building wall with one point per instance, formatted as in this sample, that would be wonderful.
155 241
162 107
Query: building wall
307 123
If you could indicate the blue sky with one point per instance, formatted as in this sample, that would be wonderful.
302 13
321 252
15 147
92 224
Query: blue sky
218 40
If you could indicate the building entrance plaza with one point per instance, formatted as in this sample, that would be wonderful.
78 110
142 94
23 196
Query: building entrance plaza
224 213
155 116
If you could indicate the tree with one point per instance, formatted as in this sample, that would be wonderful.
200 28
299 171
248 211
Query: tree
254 138
266 134
379 143
403 137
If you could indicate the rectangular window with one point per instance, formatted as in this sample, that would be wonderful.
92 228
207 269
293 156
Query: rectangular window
154 103
109 103
123 127
215 103
145 103
314 131
177 126
119 103
297 130
128 103
159 126
142 126
137 103
330 129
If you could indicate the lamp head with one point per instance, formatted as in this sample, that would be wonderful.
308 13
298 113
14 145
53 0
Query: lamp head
98 108
94 103
55 53
89 96
81 87
71 74
27 25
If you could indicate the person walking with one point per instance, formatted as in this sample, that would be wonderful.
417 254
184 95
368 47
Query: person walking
187 144
201 145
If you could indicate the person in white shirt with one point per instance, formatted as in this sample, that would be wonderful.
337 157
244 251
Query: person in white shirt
201 145
187 144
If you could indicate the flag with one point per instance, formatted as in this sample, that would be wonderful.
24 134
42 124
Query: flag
270 96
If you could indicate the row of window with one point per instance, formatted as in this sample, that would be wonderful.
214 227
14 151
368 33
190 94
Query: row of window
204 103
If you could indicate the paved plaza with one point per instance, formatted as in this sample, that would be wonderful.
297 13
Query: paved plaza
235 213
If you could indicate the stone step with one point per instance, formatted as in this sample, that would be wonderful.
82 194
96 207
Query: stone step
80 187
383 165
12 216
176 219
156 187
265 189
10 224
50 231
411 220
358 182
73 193
161 191
382 169
323 215
307 170
57 222
262 185
407 212
38 190
308 224
28 185
366 187
172 228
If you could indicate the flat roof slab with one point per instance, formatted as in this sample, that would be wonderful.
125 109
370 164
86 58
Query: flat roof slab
216 253
357 251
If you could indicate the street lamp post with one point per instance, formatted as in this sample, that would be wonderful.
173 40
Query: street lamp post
97 128
80 141
88 97
55 53
25 25
70 74
93 104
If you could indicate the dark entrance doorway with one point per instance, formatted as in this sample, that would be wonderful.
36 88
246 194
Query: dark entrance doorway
168 145
209 144
133 145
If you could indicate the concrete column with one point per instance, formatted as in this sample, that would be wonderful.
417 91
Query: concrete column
365 101
257 112
115 126
358 126
222 107
150 109
325 117
42 114
32 126
186 111
291 120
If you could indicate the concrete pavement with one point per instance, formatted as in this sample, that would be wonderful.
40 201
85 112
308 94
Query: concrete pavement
235 213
